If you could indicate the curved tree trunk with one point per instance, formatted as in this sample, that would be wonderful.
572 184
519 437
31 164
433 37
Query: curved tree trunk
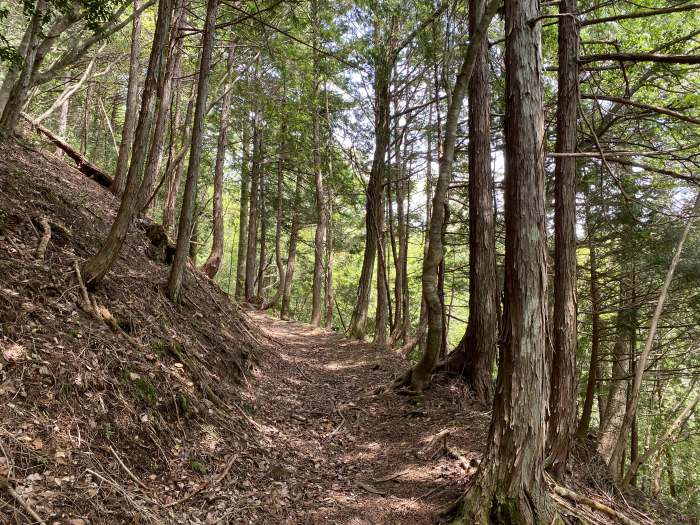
98 265
509 488
473 357
211 266
419 377
182 248
251 252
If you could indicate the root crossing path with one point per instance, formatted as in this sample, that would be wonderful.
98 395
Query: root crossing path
340 453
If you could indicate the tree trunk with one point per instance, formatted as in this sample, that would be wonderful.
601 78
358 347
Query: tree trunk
292 250
243 215
319 237
562 402
641 364
419 377
211 266
176 169
130 115
473 357
262 213
97 266
188 200
509 488
20 89
163 103
375 194
251 250
63 124
279 220
330 295
587 411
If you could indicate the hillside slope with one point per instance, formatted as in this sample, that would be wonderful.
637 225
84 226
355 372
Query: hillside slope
156 391
202 413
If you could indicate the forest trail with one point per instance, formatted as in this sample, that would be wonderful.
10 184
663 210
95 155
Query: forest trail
345 455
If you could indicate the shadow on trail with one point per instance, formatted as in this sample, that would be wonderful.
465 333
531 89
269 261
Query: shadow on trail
342 454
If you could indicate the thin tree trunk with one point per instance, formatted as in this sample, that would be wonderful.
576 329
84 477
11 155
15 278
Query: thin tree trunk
177 168
130 115
211 266
279 220
509 487
641 363
20 89
292 250
263 228
63 124
587 411
97 266
243 215
177 269
562 401
164 97
419 377
251 251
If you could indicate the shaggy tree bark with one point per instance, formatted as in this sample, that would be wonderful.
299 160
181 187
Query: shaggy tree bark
98 265
562 402
251 251
211 266
243 215
509 488
188 200
419 376
473 357
130 115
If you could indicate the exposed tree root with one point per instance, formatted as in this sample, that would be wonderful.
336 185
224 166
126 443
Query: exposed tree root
45 238
579 498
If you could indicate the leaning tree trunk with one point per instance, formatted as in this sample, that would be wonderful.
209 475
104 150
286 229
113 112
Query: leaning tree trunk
177 269
211 266
243 215
419 377
63 124
562 402
98 265
130 115
641 364
473 357
509 488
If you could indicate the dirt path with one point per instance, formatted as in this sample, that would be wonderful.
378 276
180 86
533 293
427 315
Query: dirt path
339 453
